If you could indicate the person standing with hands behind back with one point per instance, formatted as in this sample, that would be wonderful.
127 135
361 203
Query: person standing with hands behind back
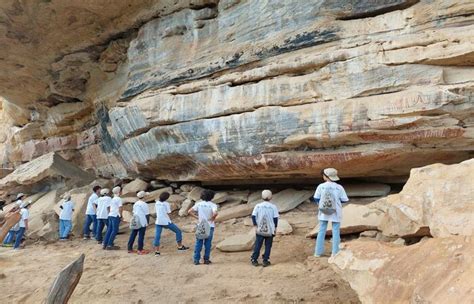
65 218
329 196
205 210
265 219
142 214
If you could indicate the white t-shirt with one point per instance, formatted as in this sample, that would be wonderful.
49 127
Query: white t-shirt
205 210
66 211
19 203
162 211
102 203
339 193
24 216
266 210
115 205
92 200
140 208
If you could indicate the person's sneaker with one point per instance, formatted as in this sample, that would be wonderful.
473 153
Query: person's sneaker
99 242
196 263
183 248
112 248
266 263
143 252
86 238
207 262
317 255
157 253
255 263
132 251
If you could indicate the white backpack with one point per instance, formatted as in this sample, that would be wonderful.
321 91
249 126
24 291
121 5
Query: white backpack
203 230
327 203
263 227
135 223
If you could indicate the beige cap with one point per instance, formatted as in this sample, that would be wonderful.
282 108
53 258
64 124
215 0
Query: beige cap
104 191
331 173
142 194
266 194
116 190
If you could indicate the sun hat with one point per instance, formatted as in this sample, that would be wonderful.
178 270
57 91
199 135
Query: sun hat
331 173
142 194
104 191
266 194
20 195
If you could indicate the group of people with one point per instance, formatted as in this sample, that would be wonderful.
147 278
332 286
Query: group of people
106 211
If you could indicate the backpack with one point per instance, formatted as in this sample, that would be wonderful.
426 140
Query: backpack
135 223
203 230
263 227
327 203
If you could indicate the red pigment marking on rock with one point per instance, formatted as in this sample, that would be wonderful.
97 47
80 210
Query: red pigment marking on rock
412 135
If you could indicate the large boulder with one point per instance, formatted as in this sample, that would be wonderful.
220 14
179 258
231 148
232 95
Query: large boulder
185 206
235 212
367 190
438 270
436 200
284 227
43 220
356 218
289 199
239 242
133 187
45 172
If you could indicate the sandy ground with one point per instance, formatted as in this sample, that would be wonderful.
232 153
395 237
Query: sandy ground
119 277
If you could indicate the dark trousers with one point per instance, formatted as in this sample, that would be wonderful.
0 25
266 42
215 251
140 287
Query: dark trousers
141 238
112 230
101 223
258 245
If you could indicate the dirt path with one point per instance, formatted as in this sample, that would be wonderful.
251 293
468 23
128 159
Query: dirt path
119 277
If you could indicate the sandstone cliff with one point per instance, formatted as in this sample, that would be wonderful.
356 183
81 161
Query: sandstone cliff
231 89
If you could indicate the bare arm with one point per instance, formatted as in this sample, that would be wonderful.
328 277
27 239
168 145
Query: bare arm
193 213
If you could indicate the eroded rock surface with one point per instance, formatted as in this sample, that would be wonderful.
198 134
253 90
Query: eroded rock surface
212 90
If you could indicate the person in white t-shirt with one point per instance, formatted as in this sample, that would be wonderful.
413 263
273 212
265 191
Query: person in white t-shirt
265 219
163 220
142 212
115 214
329 196
91 218
102 213
65 218
19 199
22 225
204 210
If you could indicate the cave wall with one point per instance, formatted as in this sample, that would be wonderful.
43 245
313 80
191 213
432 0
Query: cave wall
215 90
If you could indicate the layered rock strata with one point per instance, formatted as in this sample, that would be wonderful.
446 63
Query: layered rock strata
215 90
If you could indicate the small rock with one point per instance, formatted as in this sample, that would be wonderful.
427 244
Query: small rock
284 227
220 197
174 185
187 187
399 242
133 187
369 234
383 238
157 185
195 194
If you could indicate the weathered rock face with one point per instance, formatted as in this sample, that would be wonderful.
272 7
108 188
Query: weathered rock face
432 271
215 90
436 200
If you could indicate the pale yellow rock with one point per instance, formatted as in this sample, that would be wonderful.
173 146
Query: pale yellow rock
133 187
186 205
434 271
355 219
284 227
239 242
438 197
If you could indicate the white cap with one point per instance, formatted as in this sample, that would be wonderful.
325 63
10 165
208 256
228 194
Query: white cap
142 194
25 204
266 194
331 173
19 195
116 190
67 197
104 191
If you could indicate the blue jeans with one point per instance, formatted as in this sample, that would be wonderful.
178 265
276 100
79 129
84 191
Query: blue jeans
90 219
207 247
64 228
336 237
101 223
19 236
112 230
170 226
258 246
9 238
141 238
